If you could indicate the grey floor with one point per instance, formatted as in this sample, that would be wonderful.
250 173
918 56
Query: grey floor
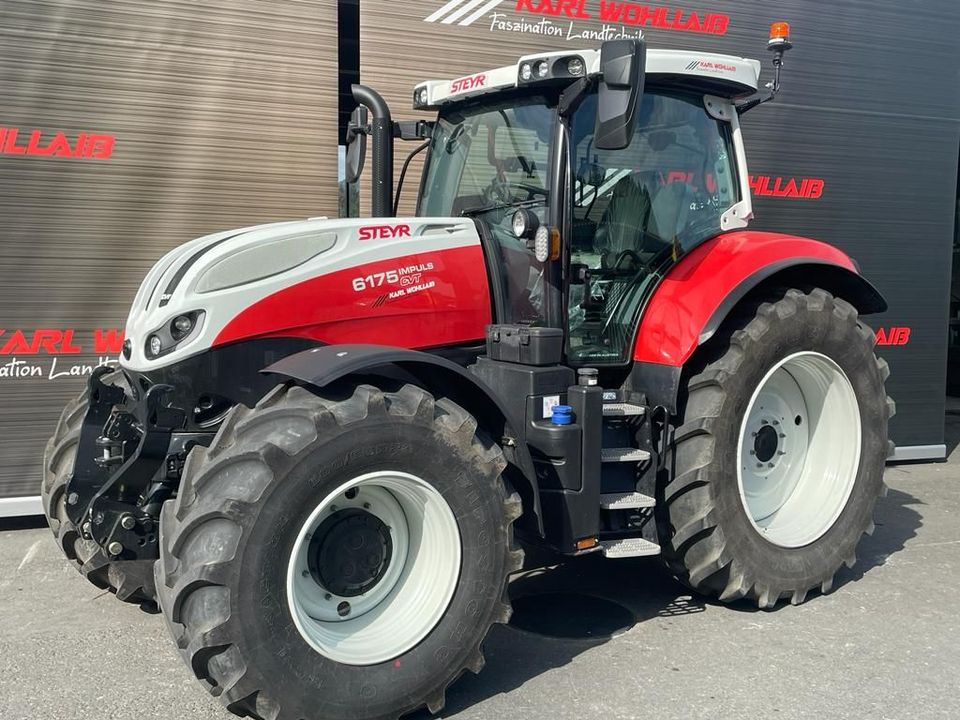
884 644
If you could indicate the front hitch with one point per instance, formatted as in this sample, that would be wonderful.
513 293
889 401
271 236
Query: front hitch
123 449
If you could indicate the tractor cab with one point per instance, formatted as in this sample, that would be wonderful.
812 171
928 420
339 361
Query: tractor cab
588 175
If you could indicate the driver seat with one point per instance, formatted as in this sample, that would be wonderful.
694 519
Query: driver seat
670 210
625 217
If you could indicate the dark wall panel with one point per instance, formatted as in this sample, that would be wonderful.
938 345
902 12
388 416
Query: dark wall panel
216 114
870 108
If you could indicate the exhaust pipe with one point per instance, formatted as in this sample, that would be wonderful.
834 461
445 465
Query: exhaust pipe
381 133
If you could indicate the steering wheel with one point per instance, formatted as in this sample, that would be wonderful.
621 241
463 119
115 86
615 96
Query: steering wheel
532 189
624 254
498 191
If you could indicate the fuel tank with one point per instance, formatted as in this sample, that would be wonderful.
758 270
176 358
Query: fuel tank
408 282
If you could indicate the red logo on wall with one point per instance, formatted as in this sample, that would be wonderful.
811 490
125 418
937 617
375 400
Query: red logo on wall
42 352
54 341
893 336
775 186
568 12
14 141
630 13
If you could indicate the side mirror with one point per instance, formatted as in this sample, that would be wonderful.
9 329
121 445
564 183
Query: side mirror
356 144
622 71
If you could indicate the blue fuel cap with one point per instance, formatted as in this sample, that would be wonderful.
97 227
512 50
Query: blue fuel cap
562 415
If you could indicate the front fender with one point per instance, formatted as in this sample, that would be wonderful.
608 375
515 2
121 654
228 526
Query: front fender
696 295
700 291
321 366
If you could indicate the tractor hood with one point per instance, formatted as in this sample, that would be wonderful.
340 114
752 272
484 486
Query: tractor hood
304 278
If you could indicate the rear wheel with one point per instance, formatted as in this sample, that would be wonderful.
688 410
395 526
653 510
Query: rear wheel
776 467
338 556
130 581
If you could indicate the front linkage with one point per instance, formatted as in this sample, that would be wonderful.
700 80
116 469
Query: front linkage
129 460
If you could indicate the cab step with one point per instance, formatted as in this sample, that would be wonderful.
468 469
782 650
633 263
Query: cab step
629 547
626 454
626 501
623 409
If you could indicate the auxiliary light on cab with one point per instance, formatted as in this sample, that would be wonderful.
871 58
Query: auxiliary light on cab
541 244
524 223
551 69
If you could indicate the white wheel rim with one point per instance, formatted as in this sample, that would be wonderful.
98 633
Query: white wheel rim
799 449
412 593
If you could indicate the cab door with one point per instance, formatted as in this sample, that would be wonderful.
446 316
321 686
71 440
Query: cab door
636 211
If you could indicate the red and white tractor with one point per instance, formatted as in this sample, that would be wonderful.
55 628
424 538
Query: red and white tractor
329 442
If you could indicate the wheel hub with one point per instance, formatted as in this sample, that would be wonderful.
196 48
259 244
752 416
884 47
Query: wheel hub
765 443
350 552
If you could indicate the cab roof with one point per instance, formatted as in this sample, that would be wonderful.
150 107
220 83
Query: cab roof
723 75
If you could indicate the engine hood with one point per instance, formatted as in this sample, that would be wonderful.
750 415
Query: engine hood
224 282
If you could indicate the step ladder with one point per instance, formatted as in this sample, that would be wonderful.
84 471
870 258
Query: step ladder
615 502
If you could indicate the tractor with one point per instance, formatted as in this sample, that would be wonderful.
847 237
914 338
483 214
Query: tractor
328 443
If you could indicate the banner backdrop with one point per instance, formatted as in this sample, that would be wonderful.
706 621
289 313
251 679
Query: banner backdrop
126 128
860 149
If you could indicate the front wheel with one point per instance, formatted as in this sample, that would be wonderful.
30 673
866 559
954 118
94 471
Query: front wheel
775 469
340 555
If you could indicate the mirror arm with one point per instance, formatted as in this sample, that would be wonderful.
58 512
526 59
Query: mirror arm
403 172
751 101
573 95
770 89
413 129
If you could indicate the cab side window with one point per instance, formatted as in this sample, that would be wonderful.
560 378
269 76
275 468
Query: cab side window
637 210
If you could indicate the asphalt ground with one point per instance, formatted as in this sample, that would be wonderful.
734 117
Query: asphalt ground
605 639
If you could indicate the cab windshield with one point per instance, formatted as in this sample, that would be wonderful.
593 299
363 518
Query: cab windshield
485 162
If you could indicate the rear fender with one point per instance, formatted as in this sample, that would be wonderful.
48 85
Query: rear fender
322 366
701 291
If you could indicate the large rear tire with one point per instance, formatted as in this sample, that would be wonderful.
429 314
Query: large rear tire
339 555
85 555
774 471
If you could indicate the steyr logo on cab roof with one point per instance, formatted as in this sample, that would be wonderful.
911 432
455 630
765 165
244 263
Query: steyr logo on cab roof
468 83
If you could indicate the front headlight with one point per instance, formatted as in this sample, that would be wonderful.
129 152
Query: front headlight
173 334
263 260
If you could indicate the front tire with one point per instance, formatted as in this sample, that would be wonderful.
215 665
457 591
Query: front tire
774 471
339 555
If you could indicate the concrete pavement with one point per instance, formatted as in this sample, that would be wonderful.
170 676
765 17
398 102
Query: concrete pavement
884 644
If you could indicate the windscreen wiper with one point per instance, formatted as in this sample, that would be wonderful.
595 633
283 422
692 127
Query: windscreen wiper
500 206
